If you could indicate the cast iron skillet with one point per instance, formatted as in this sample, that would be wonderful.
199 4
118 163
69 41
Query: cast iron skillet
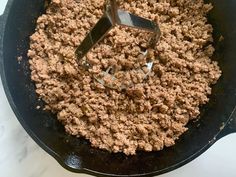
218 117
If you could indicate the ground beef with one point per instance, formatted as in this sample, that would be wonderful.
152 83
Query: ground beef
152 111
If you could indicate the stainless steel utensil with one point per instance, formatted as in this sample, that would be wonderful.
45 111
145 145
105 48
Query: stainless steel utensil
113 16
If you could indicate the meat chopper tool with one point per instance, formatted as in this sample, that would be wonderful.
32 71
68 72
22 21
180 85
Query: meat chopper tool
113 16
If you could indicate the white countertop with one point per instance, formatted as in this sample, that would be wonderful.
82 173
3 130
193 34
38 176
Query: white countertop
20 156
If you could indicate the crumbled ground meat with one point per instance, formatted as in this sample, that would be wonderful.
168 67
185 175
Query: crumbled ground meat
150 113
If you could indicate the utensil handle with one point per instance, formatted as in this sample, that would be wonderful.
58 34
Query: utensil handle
94 36
129 20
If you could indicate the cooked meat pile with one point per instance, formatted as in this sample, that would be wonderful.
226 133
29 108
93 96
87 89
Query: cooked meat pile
150 112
